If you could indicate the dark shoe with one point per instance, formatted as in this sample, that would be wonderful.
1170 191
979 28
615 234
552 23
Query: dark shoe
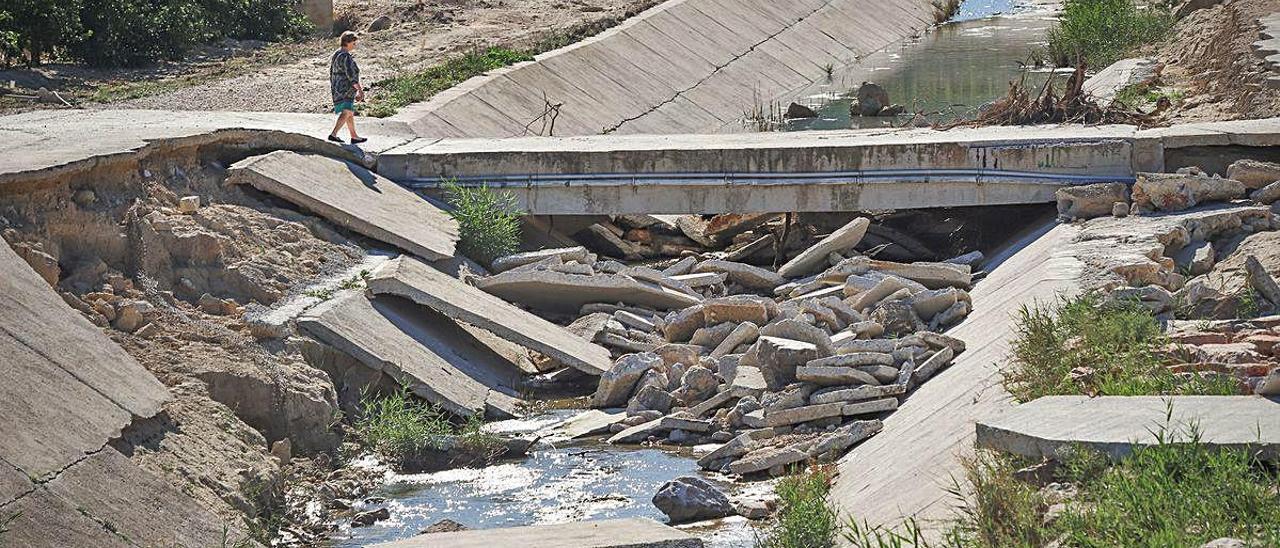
358 140
335 139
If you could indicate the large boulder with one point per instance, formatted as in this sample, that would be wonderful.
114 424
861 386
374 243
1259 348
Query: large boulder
1178 191
1089 201
691 498
617 383
871 99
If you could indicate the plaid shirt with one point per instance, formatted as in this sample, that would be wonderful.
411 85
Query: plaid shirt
343 76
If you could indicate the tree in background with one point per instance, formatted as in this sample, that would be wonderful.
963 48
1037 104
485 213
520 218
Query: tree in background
37 28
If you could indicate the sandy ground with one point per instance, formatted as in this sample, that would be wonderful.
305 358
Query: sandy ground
1209 57
294 78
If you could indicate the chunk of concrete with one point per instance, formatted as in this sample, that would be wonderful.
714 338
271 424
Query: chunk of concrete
843 239
617 383
930 275
859 393
613 533
557 291
739 308
438 360
565 254
833 376
587 423
746 275
1050 426
797 415
744 333
418 282
766 458
353 197
1089 201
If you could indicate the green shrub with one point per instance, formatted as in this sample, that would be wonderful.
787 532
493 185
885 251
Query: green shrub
399 424
37 27
403 89
997 510
1102 32
804 519
488 221
1085 347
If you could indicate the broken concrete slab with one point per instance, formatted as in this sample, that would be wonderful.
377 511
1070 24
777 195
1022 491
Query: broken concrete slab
856 394
565 254
931 275
742 274
418 282
353 197
613 533
764 459
414 345
1049 427
834 375
587 423
558 291
843 239
797 415
869 407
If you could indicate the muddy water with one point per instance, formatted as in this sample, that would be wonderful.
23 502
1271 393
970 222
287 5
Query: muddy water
947 73
558 483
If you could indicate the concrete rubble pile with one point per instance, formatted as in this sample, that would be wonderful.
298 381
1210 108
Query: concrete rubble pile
1206 269
781 368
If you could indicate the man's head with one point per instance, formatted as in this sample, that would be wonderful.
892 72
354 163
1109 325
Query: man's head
348 40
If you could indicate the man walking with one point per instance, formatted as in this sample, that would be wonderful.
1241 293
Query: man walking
344 79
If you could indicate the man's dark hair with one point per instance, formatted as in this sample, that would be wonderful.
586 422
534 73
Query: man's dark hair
348 37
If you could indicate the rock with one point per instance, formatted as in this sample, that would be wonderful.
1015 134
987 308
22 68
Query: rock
1270 385
930 303
847 395
1089 201
892 110
679 325
557 291
564 254
897 317
1267 194
754 509
365 519
1120 209
778 358
382 22
672 354
871 99
931 366
843 239
651 398
736 309
834 376
188 204
797 110
1254 174
44 264
1196 257
128 317
214 306
797 415
744 333
930 275
767 458
971 259
617 383
1262 281
711 337
1178 191
799 331
752 277
282 449
444 526
697 384
1155 298
691 498
1225 542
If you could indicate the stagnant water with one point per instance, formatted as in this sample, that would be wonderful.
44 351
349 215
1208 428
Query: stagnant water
951 70
948 73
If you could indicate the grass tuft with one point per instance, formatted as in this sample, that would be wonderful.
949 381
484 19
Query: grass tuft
805 520
1101 32
1086 347
488 221
404 89
399 425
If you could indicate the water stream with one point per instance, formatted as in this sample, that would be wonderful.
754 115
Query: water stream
949 71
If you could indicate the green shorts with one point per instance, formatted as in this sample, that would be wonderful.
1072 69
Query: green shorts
340 106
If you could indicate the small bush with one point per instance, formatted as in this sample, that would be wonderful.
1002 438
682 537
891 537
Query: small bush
1084 347
403 89
997 510
804 518
1101 32
399 425
488 221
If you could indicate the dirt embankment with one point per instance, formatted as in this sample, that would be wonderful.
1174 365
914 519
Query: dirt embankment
1209 56
170 285
295 78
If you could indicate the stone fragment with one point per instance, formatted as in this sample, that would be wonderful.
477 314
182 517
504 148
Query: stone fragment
797 415
778 358
617 383
1254 174
853 359
697 384
650 398
1270 385
365 519
753 509
1178 191
691 498
834 376
1261 280
1120 209
1268 194
1089 201
680 325
565 254
932 365
930 303
752 277
938 341
930 275
744 333
557 291
671 354
1196 257
899 318
188 204
767 458
844 238
871 99
869 407
799 331
736 309
703 279
883 288
680 267
868 392
711 337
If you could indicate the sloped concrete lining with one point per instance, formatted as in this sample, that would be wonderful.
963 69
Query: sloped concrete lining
416 346
558 291
905 469
418 282
68 388
1114 425
611 533
353 197
1104 85
53 145
732 57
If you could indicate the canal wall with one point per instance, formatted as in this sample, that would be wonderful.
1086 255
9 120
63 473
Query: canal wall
684 66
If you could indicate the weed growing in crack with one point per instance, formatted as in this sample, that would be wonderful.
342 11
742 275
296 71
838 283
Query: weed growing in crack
805 519
488 221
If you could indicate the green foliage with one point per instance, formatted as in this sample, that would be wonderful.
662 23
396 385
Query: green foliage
135 32
488 221
1136 95
804 518
997 510
1085 347
404 89
399 424
1176 493
865 535
1101 32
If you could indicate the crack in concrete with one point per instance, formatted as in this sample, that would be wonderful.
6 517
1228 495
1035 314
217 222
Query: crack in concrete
73 374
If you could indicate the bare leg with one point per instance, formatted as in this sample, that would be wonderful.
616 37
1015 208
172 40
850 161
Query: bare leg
351 123
338 125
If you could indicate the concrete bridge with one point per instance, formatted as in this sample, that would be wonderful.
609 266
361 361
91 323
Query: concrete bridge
812 171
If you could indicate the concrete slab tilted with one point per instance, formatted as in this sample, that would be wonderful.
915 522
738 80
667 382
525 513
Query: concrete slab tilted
612 533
